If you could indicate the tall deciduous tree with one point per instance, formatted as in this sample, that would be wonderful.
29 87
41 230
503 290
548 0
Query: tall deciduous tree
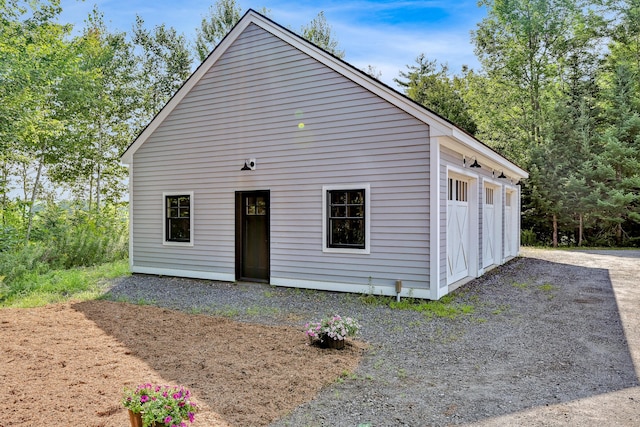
164 63
99 104
221 19
320 33
36 60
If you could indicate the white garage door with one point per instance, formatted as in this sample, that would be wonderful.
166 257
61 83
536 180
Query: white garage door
510 224
457 230
490 237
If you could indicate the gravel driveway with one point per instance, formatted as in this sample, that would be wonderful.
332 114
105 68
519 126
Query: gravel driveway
549 339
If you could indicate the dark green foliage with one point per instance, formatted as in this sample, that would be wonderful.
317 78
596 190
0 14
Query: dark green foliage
436 90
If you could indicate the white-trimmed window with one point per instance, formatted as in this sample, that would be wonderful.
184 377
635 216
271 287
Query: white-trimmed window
346 218
178 218
458 190
488 196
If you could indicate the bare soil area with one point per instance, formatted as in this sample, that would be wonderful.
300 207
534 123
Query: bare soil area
67 364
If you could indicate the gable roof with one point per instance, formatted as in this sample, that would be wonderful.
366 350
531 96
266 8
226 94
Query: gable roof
439 126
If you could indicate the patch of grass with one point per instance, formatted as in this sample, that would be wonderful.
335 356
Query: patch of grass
82 283
229 312
445 307
195 310
520 285
502 308
346 375
547 287
269 294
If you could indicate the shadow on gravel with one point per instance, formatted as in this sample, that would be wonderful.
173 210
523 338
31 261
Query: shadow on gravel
554 336
542 333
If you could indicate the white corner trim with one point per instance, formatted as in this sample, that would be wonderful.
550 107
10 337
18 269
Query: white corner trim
367 218
130 185
192 274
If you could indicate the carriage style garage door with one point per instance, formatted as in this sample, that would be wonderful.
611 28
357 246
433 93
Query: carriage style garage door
490 230
510 226
457 230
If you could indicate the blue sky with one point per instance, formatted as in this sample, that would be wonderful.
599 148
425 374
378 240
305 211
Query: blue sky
388 35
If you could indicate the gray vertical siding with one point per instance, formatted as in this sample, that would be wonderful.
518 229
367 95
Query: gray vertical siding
250 105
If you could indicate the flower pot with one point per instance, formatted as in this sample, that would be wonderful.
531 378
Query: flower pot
328 342
135 418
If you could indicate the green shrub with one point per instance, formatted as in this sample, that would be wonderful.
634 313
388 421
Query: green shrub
528 238
61 238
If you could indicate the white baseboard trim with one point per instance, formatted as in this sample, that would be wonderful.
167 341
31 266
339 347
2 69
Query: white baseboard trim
192 274
350 287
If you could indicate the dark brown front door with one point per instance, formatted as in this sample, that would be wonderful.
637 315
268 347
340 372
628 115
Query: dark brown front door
252 236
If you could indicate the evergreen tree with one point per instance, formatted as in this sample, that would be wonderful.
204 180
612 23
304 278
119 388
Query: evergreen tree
432 87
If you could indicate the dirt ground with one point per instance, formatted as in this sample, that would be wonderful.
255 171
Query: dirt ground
67 364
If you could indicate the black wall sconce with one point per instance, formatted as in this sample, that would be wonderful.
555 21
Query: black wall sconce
249 165
502 175
475 163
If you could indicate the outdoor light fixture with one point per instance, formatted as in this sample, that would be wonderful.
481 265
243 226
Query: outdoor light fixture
475 164
502 175
249 165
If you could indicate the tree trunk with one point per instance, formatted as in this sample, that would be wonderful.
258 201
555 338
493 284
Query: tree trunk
555 231
580 229
619 234
34 194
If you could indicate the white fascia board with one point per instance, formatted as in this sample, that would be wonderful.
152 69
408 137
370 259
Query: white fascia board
468 146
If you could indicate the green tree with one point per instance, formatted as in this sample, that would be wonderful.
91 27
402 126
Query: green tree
615 170
526 48
99 104
164 63
432 87
36 60
221 19
320 33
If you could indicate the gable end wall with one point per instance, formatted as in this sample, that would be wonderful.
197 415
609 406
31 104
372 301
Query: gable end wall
250 104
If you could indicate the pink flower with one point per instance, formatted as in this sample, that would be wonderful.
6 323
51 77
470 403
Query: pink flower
167 420
191 416
144 398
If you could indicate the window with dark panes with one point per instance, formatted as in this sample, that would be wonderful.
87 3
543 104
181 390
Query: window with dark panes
346 219
178 218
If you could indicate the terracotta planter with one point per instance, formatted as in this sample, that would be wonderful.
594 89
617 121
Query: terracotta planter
135 419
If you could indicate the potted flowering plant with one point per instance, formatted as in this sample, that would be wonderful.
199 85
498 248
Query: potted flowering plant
332 331
157 406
